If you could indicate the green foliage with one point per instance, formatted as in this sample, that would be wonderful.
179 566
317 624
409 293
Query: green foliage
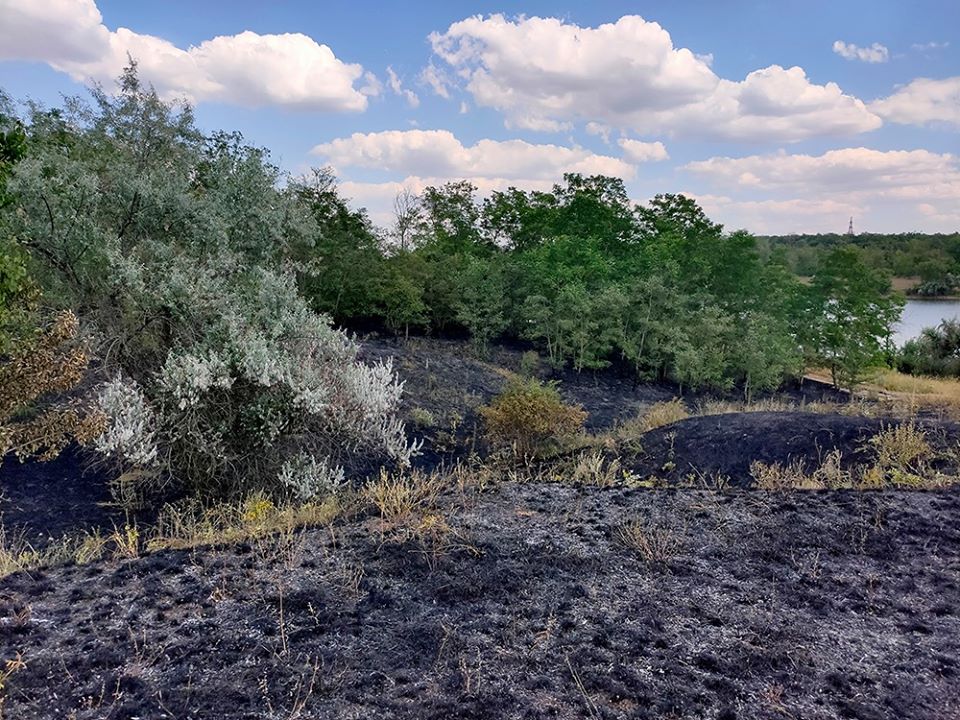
593 280
945 284
928 256
17 297
185 255
481 304
935 352
13 144
848 311
531 419
401 299
342 264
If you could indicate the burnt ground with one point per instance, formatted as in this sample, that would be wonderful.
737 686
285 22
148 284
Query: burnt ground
45 501
809 605
727 444
445 378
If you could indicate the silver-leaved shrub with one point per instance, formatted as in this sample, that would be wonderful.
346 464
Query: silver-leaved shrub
183 254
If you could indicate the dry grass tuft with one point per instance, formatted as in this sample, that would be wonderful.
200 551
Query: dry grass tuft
18 555
903 446
829 474
410 510
782 476
903 459
596 470
192 524
11 667
653 543
664 413
399 497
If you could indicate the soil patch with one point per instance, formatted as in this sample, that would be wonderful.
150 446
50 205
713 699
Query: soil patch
815 605
727 444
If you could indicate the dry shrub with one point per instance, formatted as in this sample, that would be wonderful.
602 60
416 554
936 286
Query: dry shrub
664 413
653 543
52 362
530 418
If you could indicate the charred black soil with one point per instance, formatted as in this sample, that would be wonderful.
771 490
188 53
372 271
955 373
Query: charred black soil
812 605
725 445
742 604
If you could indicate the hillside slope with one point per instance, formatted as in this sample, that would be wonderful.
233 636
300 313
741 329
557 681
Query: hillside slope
813 605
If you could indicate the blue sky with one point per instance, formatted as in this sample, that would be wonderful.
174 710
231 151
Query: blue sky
776 116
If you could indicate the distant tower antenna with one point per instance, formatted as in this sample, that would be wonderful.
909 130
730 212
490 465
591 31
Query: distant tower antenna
850 227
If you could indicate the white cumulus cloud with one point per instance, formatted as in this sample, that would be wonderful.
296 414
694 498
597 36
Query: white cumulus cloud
434 77
893 190
639 152
248 69
397 87
438 153
922 101
875 53
432 157
546 74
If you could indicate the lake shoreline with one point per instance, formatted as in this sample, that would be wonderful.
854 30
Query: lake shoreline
920 313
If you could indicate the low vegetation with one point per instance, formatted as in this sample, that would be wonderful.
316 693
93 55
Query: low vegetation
175 296
935 352
530 419
900 456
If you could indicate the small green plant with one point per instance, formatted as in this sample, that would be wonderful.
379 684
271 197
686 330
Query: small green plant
530 364
422 418
531 419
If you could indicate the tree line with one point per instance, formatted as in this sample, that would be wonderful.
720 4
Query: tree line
110 207
933 258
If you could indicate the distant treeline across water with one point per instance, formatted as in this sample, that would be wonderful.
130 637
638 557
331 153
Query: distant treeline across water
928 257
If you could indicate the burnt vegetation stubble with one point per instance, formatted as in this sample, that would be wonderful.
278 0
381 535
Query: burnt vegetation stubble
531 599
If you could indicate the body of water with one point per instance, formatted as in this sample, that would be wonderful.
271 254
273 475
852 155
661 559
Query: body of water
920 314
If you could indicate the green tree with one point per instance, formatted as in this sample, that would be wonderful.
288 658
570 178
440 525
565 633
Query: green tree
343 260
482 300
848 314
401 299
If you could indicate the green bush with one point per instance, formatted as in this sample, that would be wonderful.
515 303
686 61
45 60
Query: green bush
531 419
185 255
935 352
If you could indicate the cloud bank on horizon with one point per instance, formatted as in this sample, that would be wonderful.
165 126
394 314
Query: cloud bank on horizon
519 100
